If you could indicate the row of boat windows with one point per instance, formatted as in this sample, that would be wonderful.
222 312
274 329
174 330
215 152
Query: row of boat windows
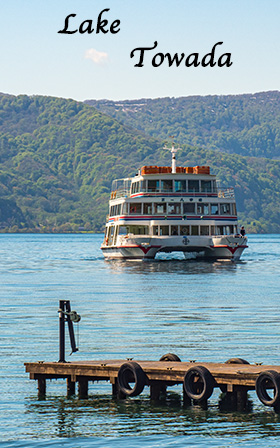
170 230
194 230
176 186
173 208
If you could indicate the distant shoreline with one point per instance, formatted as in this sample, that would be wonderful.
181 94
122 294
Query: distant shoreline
32 232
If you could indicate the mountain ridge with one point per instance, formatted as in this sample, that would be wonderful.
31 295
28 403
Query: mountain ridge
59 156
247 124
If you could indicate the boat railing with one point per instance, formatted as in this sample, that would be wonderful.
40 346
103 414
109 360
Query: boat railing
122 193
220 192
225 192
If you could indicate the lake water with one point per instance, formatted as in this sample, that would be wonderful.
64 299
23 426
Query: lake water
205 311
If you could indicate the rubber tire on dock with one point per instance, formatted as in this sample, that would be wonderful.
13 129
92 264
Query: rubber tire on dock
264 379
223 387
206 379
236 361
170 357
131 372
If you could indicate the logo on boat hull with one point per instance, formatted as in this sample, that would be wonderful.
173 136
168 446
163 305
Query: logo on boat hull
185 240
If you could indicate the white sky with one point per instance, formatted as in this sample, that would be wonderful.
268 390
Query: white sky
35 59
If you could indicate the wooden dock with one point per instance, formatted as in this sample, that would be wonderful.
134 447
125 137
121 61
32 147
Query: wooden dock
128 378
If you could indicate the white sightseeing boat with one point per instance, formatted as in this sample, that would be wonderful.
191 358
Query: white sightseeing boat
168 209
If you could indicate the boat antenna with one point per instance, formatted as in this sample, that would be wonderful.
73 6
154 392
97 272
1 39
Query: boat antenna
173 151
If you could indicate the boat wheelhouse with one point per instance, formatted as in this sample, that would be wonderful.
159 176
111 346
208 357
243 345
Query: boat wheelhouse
167 209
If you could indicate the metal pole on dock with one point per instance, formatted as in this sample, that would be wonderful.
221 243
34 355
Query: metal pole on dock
71 316
65 314
61 331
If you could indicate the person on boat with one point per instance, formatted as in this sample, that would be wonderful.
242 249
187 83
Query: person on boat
242 231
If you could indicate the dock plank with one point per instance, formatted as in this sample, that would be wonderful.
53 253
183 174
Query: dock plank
235 374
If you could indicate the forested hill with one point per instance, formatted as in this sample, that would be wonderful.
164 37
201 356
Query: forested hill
243 124
58 158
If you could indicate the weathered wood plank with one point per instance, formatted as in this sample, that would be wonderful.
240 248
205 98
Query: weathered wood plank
172 372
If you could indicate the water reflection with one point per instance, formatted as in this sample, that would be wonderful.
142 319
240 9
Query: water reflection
103 416
174 266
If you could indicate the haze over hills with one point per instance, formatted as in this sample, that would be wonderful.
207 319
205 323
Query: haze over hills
58 158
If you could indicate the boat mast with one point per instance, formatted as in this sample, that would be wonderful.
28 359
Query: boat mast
173 151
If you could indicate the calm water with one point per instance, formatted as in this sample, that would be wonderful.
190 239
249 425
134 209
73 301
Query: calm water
198 310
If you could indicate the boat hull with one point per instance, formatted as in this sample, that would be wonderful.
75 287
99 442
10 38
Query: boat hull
224 247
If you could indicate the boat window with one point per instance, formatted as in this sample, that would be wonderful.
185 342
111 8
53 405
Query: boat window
143 230
123 230
206 186
135 187
155 230
225 209
194 230
174 230
193 186
148 209
125 208
143 185
227 230
234 212
184 230
166 185
204 230
189 208
174 209
110 234
180 186
164 230
138 230
160 208
135 208
213 231
214 209
153 185
202 209
115 210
